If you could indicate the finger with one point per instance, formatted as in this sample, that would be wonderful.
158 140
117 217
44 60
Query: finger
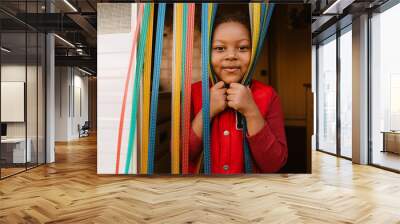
219 85
231 91
231 104
221 91
235 85
230 97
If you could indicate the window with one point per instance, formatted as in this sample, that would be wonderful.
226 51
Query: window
334 94
327 96
385 89
346 93
22 77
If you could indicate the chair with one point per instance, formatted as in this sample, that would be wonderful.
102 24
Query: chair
84 130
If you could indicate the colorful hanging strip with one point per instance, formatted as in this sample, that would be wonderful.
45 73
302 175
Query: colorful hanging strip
212 11
146 94
138 73
126 87
184 32
183 59
176 88
258 13
187 94
207 19
248 167
155 85
255 15
205 88
267 11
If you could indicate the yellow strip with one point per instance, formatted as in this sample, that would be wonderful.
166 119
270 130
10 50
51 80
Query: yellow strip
211 8
146 94
255 14
176 90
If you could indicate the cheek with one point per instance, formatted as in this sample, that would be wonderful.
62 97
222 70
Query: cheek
246 60
214 61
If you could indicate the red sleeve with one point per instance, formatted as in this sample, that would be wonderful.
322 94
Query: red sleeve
268 146
195 143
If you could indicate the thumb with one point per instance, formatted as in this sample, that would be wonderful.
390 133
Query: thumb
219 84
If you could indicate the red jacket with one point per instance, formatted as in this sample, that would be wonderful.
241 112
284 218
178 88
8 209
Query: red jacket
268 147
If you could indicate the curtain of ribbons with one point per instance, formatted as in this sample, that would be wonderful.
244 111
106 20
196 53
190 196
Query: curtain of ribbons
146 81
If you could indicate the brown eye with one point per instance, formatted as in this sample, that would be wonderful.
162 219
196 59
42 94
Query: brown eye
244 48
219 49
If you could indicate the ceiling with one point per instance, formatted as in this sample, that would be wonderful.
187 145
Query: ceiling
76 22
72 20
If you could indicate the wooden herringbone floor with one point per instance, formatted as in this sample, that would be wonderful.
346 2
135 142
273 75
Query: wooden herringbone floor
69 191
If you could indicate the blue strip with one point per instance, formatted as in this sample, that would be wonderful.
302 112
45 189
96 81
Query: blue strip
247 155
205 87
155 85
266 19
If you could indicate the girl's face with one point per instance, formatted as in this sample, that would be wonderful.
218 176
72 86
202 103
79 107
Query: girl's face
231 51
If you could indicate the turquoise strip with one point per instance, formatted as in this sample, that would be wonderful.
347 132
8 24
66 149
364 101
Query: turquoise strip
138 73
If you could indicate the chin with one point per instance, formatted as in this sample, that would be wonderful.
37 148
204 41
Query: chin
228 79
231 80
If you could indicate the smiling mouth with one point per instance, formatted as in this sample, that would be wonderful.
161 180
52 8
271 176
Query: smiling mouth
231 69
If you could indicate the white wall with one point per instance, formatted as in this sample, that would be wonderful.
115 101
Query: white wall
33 126
17 73
61 103
79 117
113 53
71 87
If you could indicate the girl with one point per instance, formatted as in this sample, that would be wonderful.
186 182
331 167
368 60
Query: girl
259 104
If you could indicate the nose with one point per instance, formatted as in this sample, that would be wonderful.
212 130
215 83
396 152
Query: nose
231 54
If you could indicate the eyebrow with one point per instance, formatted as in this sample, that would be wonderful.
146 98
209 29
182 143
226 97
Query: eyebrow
225 41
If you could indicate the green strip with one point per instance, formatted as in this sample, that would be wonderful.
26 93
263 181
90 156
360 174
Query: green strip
184 31
138 73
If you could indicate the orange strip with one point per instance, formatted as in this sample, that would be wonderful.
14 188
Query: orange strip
188 80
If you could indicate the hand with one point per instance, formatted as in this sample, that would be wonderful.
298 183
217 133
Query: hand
240 98
217 99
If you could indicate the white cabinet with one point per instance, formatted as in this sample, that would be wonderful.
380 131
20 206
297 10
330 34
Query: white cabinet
17 146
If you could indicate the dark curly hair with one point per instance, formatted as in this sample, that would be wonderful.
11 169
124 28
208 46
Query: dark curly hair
232 13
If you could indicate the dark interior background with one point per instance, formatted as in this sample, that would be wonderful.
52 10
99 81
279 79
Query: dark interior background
285 64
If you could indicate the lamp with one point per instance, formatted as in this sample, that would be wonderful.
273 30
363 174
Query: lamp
64 40
5 50
70 5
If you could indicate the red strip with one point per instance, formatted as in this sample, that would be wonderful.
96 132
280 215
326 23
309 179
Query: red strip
188 83
128 78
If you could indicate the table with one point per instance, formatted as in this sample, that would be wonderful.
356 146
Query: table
16 147
391 141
